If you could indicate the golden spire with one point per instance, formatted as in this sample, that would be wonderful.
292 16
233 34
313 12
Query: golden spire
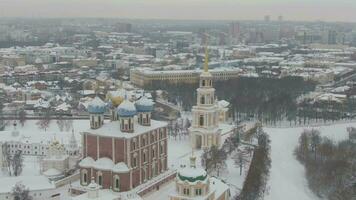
206 65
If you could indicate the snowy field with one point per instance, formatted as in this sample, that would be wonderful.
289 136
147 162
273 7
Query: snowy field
287 178
31 130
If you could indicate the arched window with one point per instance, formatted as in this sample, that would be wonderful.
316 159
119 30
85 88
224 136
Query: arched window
201 120
84 177
100 178
117 183
202 100
203 83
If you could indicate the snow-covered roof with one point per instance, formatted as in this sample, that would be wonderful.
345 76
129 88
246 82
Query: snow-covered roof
192 174
126 109
63 107
112 129
120 167
103 164
223 103
87 162
52 172
97 106
144 104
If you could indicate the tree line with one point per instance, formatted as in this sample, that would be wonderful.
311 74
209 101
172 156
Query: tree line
255 184
330 166
268 99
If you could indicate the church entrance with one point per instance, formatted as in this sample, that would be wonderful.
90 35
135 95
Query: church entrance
198 141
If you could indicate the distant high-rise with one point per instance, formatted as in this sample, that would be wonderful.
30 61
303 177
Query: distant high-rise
123 27
234 29
267 18
280 18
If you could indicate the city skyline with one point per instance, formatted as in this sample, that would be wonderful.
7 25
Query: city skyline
293 10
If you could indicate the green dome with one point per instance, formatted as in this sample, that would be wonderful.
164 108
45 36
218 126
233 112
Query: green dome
192 174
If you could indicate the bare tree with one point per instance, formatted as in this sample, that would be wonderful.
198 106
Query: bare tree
20 192
22 117
44 123
315 141
7 158
240 159
17 163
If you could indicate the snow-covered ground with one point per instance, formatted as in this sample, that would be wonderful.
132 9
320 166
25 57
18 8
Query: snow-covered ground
31 130
180 150
287 178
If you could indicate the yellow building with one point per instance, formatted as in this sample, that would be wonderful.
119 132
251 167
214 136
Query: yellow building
142 77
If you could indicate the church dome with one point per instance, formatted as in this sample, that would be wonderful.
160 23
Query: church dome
144 104
192 174
126 109
116 101
97 106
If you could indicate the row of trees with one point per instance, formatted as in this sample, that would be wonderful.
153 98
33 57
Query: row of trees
330 167
214 159
13 162
179 128
268 99
255 185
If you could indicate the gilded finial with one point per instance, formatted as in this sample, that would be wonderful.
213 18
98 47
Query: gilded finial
206 64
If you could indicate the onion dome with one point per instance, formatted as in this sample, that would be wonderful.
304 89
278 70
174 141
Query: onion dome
144 104
126 109
116 101
192 173
97 106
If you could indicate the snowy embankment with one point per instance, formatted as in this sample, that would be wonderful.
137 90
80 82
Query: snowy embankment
287 178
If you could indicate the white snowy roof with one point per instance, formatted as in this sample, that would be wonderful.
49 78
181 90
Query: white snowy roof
104 164
106 194
144 101
87 162
127 105
112 129
63 107
52 172
223 103
120 167
97 102
192 172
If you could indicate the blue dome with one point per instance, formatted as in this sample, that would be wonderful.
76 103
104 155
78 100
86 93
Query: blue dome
144 105
126 109
97 106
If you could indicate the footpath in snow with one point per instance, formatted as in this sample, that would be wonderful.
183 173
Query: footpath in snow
287 177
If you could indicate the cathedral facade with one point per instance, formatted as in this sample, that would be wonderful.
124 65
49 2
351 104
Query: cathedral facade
126 152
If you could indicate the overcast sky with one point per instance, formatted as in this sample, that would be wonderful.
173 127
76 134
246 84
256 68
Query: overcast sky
328 10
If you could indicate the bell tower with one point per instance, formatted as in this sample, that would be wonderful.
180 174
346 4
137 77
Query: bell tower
204 131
